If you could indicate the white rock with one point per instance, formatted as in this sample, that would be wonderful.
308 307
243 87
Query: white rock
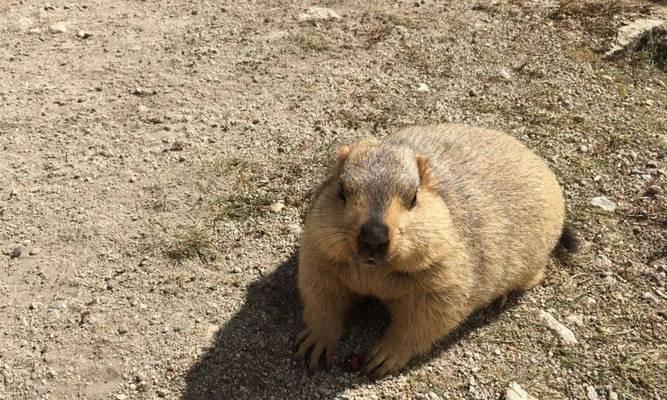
566 335
516 392
318 14
604 203
277 206
604 262
575 319
591 394
423 88
628 33
505 73
294 229
649 296
612 395
58 28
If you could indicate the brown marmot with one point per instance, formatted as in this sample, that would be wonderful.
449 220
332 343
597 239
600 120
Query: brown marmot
436 222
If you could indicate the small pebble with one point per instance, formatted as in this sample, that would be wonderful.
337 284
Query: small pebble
15 253
34 251
575 319
505 74
649 296
566 335
84 34
314 14
653 190
604 203
352 363
591 394
58 28
516 392
294 229
122 330
423 88
277 207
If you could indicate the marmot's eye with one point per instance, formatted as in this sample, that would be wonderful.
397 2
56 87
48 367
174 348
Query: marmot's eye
341 193
413 202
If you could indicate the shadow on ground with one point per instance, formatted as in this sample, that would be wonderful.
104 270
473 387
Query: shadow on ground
252 356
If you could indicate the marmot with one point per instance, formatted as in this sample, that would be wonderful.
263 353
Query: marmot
436 221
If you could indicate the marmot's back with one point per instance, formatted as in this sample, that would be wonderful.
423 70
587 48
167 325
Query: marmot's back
502 196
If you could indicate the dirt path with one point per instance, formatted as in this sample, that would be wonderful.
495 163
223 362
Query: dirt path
148 149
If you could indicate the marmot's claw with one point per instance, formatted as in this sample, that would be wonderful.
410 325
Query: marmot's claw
382 360
307 340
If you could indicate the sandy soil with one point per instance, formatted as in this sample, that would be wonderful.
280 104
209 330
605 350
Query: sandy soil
157 158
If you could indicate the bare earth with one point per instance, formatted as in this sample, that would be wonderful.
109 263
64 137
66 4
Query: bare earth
148 148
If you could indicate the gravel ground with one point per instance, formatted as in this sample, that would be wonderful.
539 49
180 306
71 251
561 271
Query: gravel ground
158 156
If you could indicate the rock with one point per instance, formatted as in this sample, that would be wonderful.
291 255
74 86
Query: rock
629 33
294 229
34 251
177 146
649 296
58 28
612 395
59 305
122 330
604 263
607 78
566 335
315 14
649 102
591 394
505 74
653 190
652 164
516 392
15 253
423 88
83 34
604 203
277 206
575 319
121 396
34 31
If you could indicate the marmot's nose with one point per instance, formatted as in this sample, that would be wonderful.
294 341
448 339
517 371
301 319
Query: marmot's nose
374 237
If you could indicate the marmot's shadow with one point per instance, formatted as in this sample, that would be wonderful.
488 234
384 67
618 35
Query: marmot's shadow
253 353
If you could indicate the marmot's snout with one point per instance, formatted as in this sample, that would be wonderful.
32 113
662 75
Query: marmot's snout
373 241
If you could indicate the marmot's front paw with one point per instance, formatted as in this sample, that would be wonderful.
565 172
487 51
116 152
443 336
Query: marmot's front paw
385 358
319 343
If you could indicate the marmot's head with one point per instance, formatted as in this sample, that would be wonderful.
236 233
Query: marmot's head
379 208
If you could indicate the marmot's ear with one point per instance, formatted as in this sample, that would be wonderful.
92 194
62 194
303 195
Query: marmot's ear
424 170
341 157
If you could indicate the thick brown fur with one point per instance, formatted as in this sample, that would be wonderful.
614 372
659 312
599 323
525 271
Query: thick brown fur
488 214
